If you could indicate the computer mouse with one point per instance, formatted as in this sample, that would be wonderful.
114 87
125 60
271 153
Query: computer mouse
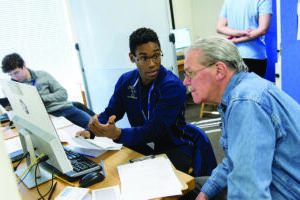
90 179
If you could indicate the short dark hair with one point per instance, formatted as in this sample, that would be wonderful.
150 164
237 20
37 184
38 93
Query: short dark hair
11 62
142 36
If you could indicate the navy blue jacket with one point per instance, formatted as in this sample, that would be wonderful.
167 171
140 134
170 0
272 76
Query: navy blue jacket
166 126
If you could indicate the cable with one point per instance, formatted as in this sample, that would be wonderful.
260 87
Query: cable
24 156
43 159
25 175
50 195
30 166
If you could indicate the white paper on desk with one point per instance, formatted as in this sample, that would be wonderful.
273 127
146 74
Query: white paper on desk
101 143
147 179
108 193
94 153
93 148
13 145
60 122
74 193
67 133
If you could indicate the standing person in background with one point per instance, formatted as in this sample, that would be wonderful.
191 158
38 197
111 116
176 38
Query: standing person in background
52 93
245 22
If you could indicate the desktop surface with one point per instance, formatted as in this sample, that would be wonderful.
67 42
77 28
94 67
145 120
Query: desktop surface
111 159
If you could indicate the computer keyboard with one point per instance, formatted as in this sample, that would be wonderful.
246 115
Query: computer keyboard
81 165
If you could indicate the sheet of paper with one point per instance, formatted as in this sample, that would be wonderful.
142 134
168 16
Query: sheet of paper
60 122
147 179
109 193
67 133
73 193
13 145
106 143
94 153
97 143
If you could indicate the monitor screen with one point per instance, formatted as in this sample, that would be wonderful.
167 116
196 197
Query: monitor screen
33 123
182 38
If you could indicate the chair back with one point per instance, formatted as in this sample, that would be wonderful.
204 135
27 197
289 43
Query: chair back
204 160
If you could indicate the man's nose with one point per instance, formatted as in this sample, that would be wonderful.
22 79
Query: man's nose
186 81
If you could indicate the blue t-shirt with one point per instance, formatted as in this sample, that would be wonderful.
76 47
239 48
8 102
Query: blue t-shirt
244 15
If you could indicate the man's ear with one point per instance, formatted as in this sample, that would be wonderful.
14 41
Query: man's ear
132 58
221 70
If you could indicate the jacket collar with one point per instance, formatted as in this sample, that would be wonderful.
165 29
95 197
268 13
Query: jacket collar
161 74
234 81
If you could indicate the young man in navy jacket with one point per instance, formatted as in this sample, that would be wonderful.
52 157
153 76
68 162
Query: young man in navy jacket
153 99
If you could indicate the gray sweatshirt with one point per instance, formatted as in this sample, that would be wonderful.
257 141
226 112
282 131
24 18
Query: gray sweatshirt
52 93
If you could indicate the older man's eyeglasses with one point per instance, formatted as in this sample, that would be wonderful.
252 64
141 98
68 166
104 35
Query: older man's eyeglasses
145 60
190 75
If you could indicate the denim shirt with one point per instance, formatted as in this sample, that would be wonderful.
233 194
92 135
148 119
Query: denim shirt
261 140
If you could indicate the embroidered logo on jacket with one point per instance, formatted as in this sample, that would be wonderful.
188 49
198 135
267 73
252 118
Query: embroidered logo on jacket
132 92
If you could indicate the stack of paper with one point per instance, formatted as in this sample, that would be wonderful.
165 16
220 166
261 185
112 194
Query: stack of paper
93 148
147 179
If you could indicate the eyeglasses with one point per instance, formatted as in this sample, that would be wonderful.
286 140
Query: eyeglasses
190 75
145 60
14 73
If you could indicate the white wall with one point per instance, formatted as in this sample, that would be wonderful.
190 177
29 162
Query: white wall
200 16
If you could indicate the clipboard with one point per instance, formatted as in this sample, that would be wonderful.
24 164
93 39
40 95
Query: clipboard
177 173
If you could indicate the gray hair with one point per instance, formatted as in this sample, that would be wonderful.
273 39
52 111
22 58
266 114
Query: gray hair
215 49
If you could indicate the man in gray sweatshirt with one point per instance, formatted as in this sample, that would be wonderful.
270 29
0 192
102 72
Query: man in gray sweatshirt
54 96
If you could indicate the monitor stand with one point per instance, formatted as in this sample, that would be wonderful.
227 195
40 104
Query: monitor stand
42 174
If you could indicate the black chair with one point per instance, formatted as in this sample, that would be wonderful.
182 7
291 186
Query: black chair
82 107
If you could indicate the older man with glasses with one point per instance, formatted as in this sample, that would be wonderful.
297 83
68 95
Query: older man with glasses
154 100
260 126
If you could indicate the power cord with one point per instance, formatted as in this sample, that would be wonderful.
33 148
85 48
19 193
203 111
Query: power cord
31 164
43 159
24 156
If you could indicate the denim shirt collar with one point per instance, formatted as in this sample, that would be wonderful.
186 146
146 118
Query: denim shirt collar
234 81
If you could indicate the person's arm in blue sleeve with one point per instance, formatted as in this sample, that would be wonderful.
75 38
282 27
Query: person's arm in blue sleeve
251 143
166 110
115 108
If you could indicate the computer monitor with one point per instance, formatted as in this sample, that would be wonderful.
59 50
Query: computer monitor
8 184
36 131
182 38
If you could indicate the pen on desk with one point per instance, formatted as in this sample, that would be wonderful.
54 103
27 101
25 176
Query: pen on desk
49 197
63 180
102 165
